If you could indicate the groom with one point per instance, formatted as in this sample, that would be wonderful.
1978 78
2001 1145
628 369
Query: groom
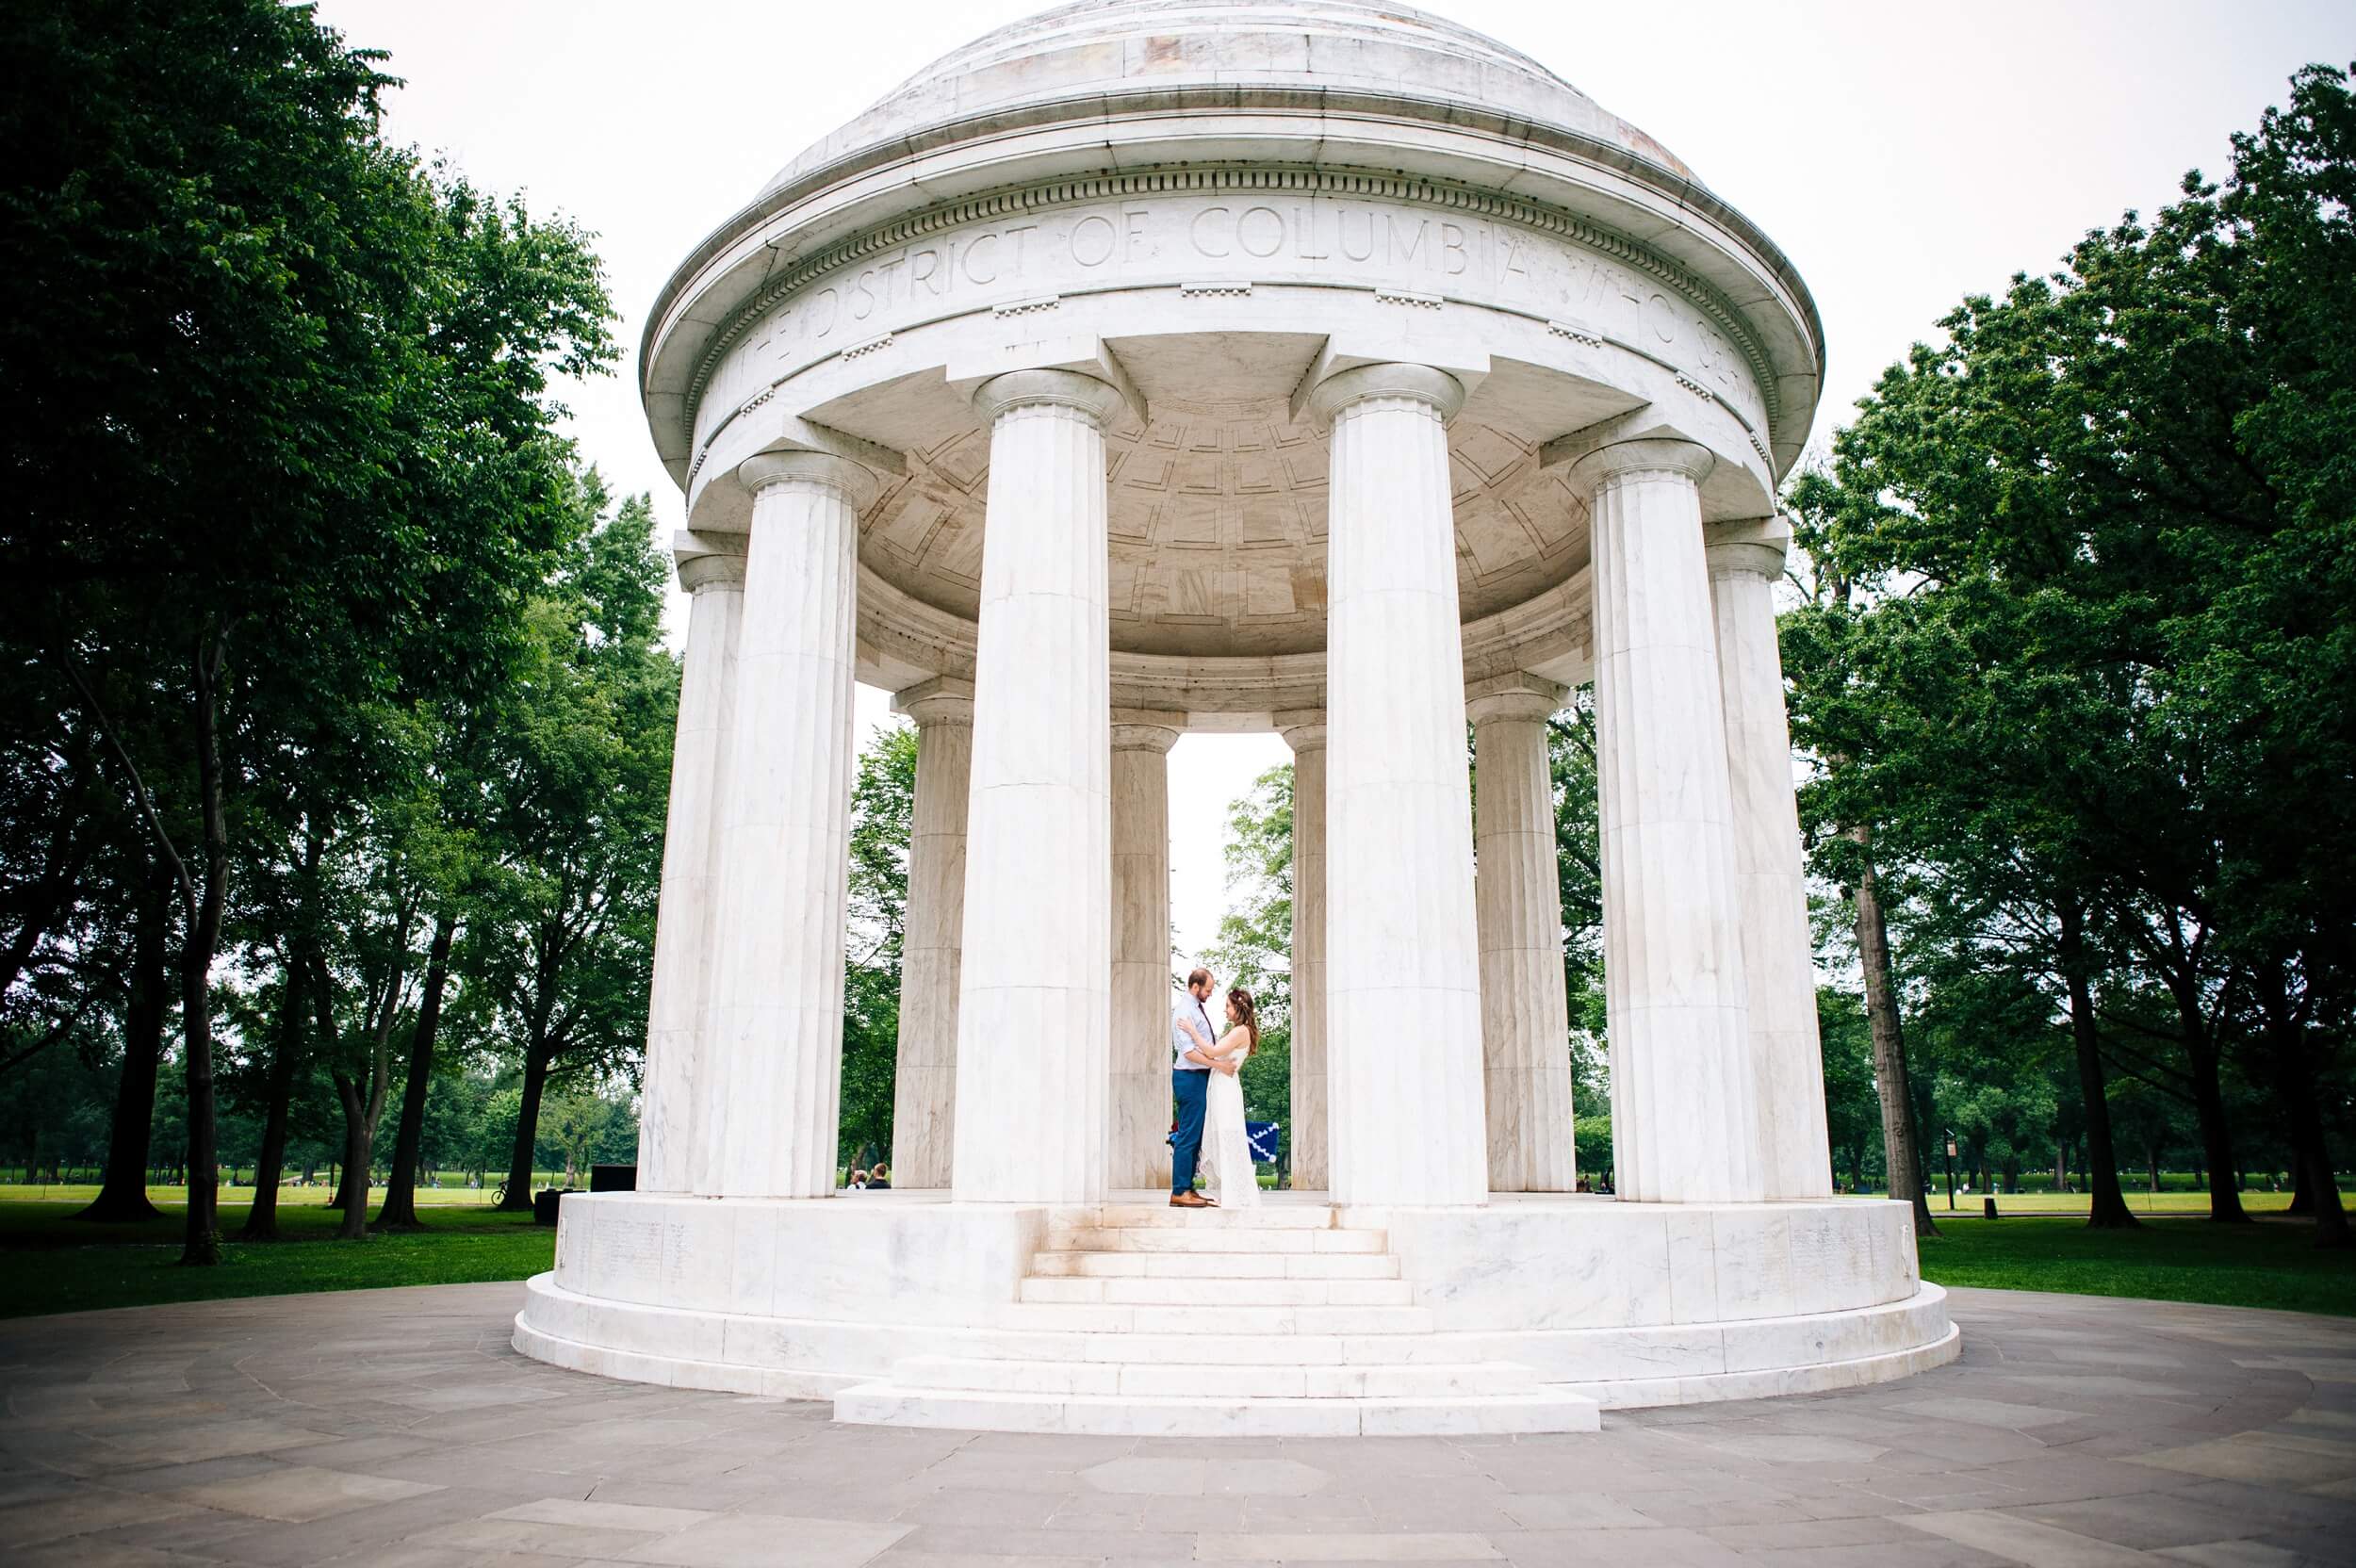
1190 1069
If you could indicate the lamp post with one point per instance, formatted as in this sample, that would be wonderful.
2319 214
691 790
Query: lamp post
1950 1170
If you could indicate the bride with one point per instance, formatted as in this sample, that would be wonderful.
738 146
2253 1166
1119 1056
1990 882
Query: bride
1232 1181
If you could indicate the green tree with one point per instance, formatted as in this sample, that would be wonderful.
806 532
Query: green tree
276 452
1851 1110
559 943
2102 678
883 808
1253 947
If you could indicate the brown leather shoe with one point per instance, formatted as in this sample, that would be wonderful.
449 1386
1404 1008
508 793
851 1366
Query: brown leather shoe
1190 1200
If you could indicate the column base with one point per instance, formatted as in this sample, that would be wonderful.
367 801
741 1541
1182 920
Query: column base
1533 1315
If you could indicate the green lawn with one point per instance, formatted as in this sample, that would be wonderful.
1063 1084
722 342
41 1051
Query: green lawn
2176 1257
52 1263
2139 1199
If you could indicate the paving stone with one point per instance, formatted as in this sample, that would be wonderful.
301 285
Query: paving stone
1405 1546
1661 1548
2025 1540
254 1433
746 1541
299 1493
2234 1554
2148 1520
84 1512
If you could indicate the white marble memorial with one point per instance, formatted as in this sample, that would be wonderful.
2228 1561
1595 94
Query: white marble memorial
1313 366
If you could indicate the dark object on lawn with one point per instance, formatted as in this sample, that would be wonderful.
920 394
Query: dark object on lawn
1988 1207
543 1204
613 1178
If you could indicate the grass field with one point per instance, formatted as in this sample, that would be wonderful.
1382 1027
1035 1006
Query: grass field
2174 1257
2141 1201
51 1261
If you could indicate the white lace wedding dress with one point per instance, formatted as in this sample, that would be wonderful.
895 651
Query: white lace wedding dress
1230 1179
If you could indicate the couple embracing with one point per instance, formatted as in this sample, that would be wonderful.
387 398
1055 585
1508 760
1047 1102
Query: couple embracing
1204 1063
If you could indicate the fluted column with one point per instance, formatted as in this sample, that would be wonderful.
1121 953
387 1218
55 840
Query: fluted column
924 1085
1140 1154
772 1077
1745 561
1033 1006
1304 731
1403 974
1684 1122
1525 1009
679 1003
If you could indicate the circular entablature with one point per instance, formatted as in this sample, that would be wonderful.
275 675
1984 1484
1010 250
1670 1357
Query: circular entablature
1216 520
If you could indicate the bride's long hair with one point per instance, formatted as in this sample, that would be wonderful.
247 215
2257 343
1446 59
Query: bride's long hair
1246 1015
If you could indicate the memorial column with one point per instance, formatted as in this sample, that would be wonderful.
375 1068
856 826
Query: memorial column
1746 563
924 1085
1304 731
1141 996
712 569
1403 973
1033 1006
772 1086
1684 1117
1525 1009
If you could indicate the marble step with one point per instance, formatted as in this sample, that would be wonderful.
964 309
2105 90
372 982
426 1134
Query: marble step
1218 1266
1019 1337
1204 1318
1216 1294
1268 1216
892 1404
977 1375
1145 1238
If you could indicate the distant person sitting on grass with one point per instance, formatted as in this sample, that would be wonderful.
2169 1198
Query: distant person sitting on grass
879 1179
858 1180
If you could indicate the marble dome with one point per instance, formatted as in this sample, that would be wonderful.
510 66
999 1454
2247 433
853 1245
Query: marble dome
1251 47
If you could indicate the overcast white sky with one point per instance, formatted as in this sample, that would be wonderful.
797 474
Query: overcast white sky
1902 154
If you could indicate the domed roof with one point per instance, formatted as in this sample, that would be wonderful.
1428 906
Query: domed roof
1249 47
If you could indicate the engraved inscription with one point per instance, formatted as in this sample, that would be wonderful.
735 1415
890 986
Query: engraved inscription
1408 253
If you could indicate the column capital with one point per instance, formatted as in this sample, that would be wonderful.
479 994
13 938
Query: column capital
1749 546
1099 401
1303 728
767 470
1147 729
707 559
1615 461
944 700
1443 393
1518 695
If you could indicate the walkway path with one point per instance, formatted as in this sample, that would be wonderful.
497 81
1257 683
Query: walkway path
397 1429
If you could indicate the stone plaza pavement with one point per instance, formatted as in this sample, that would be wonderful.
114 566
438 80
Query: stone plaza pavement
396 1427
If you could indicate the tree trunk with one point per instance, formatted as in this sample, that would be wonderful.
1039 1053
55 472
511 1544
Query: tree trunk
2107 1209
526 1129
359 1135
400 1210
201 1245
2217 1135
2286 1041
124 1196
2302 1189
1891 1078
261 1218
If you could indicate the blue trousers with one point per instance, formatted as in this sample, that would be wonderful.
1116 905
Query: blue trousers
1186 1145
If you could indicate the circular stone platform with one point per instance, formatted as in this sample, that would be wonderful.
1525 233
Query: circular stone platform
1298 1318
1152 365
398 1427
